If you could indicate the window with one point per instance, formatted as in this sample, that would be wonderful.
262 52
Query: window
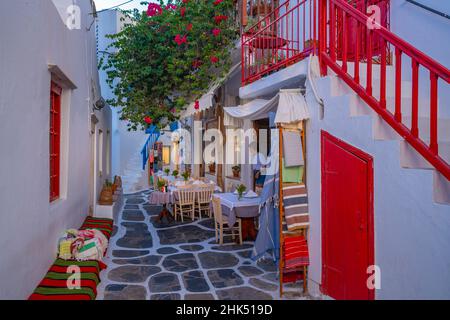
55 141
166 156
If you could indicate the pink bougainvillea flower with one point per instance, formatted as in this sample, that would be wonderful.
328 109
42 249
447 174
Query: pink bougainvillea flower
216 32
219 19
217 2
148 120
189 27
182 11
171 7
185 1
154 9
214 59
180 39
197 105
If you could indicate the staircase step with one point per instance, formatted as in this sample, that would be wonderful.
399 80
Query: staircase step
410 158
441 188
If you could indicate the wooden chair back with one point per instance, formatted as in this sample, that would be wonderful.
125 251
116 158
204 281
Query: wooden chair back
186 195
204 194
217 209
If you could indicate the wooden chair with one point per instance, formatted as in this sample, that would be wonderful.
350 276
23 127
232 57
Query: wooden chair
184 202
220 221
203 200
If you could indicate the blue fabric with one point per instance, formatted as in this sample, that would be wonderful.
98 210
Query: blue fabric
268 239
173 126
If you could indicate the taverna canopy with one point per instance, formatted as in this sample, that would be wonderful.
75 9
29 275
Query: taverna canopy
289 105
207 100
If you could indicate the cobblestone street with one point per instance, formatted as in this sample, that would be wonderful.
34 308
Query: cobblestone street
149 260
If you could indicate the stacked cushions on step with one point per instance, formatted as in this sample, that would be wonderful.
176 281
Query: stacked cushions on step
60 282
103 224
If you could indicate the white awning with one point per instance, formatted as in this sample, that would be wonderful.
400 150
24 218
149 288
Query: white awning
253 110
289 104
207 100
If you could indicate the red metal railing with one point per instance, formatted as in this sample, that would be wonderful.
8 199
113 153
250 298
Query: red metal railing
282 37
336 53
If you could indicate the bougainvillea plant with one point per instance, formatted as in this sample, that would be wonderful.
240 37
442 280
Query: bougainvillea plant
167 57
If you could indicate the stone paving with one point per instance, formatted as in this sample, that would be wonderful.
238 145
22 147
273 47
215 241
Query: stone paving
151 260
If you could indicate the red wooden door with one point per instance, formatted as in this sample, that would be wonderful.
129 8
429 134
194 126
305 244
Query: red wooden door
347 219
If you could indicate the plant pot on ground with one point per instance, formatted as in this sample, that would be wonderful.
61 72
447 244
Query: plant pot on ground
236 171
106 195
212 167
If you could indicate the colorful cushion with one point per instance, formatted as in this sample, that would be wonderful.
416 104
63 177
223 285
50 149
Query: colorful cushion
54 285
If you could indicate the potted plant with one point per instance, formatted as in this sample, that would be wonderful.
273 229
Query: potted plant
167 171
175 173
161 185
212 167
106 195
236 171
186 175
240 190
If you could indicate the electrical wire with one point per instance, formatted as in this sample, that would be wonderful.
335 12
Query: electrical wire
116 6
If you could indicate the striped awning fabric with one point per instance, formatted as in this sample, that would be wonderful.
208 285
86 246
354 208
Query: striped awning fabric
295 201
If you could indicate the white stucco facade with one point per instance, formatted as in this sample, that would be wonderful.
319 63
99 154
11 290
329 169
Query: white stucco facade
411 206
34 37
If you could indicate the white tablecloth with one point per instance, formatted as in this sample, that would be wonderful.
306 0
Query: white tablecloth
245 208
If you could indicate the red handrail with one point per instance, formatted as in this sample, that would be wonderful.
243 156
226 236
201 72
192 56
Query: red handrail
333 11
277 41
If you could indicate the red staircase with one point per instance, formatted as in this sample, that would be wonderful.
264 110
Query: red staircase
342 34
332 11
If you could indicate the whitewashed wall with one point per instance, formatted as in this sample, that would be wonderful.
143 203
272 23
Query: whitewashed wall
412 232
35 36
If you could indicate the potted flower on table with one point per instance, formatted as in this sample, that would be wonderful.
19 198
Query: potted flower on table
175 173
161 185
167 171
186 175
240 190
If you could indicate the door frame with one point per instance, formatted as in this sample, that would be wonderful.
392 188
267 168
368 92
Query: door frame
370 210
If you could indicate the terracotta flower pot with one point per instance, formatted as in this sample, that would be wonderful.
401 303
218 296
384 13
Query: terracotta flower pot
106 196
236 173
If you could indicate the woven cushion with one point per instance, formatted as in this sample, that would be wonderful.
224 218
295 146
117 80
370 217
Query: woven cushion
295 252
54 286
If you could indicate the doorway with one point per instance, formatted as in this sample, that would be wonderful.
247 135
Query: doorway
347 220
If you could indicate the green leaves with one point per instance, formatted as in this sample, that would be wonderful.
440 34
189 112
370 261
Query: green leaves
151 74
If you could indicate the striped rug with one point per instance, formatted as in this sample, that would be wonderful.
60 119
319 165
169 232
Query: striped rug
54 286
295 202
296 253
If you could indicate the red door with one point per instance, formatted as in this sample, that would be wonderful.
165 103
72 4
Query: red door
347 219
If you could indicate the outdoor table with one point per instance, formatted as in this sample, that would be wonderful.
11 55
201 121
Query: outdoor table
162 198
246 209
